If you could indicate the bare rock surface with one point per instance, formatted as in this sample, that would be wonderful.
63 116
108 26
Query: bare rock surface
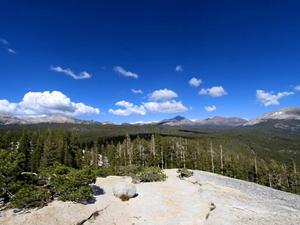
204 198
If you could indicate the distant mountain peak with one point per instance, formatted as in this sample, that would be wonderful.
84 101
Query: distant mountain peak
282 114
216 121
220 121
6 119
175 121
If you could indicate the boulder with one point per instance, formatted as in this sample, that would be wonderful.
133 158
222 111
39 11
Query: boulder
124 191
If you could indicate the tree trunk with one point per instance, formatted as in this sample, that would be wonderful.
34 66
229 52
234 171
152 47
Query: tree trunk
222 166
162 158
255 170
153 145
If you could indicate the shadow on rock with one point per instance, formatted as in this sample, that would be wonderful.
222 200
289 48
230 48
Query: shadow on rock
97 190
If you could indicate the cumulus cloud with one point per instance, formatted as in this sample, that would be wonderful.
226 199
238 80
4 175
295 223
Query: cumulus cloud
297 88
7 107
137 91
69 72
270 98
128 109
160 101
179 68
162 95
216 91
165 106
194 82
125 73
46 103
210 108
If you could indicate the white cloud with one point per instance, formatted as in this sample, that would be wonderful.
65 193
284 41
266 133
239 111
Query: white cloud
179 68
162 95
216 91
69 72
297 88
194 82
210 108
6 44
165 107
269 98
159 101
7 107
125 73
141 122
128 109
137 91
4 41
46 103
10 50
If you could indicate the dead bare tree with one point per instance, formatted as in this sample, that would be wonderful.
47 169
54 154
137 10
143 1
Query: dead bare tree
153 145
162 158
128 149
255 169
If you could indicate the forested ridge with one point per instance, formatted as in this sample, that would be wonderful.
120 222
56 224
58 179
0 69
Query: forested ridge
72 152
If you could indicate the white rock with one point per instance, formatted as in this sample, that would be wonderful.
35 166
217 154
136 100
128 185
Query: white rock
124 189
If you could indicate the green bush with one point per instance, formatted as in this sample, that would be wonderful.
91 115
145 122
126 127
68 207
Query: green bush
60 181
104 172
131 170
184 172
11 179
82 194
74 186
29 197
150 174
124 198
57 169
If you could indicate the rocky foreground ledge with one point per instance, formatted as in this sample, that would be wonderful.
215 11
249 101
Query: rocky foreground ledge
204 198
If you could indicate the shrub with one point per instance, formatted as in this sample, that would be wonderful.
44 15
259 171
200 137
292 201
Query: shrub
150 174
57 169
104 172
183 173
82 194
74 186
131 170
28 197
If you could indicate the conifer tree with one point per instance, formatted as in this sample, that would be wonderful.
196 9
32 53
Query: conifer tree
24 148
48 150
95 156
37 146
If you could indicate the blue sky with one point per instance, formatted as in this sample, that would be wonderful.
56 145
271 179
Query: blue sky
236 48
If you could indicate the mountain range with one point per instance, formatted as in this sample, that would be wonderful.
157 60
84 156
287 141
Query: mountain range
284 119
8 119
